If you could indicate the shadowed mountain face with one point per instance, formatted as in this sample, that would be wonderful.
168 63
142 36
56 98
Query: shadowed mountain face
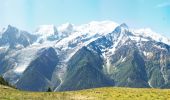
85 71
81 58
38 75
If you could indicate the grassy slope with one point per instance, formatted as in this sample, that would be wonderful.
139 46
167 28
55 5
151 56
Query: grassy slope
7 93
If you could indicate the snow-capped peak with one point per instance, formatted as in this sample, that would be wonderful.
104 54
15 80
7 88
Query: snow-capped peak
124 25
46 30
148 33
101 27
11 31
122 28
9 28
86 32
66 28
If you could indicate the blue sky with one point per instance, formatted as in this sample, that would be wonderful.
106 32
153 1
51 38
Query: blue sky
28 14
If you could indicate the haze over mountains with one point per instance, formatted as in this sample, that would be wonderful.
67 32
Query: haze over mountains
97 54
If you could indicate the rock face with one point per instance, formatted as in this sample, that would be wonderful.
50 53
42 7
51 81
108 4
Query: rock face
134 63
81 57
15 38
38 75
85 71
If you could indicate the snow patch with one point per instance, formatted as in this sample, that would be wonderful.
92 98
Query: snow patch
4 48
149 55
147 32
26 55
46 30
66 28
138 39
149 83
115 44
159 47
124 59
101 27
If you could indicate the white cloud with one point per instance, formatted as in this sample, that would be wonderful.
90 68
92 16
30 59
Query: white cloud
165 4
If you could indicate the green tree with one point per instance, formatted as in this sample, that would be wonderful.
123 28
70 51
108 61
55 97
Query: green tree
3 81
49 90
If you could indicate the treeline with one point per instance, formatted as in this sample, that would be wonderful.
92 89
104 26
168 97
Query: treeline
4 82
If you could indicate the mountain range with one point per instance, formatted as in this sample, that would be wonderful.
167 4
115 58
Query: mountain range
97 54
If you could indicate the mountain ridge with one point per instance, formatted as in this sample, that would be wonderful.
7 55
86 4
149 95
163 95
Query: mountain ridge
107 53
